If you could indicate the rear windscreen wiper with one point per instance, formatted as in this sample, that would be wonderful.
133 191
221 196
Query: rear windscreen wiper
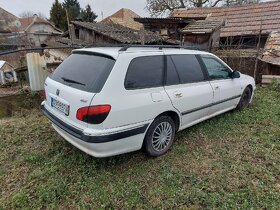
72 81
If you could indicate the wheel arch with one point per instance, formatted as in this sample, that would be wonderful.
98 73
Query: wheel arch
175 117
251 88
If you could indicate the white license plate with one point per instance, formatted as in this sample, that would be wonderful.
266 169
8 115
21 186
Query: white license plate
60 106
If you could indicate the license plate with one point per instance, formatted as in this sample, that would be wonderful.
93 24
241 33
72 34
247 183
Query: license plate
60 106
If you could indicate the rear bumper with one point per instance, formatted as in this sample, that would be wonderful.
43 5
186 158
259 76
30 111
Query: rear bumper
104 144
92 138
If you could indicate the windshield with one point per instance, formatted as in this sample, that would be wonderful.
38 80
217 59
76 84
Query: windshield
84 71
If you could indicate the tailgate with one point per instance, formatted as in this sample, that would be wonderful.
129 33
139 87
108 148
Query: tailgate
64 101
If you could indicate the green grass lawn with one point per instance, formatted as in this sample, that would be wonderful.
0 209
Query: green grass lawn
229 162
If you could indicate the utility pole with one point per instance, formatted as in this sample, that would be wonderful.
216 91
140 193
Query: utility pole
69 28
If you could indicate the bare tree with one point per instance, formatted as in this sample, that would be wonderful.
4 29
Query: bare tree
162 7
239 2
27 14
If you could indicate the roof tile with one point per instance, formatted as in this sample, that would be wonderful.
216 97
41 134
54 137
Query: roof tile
124 17
272 49
240 20
120 33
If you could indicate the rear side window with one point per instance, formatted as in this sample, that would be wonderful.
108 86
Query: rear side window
87 72
145 72
188 68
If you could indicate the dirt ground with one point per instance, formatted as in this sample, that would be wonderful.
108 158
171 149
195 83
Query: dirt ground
7 91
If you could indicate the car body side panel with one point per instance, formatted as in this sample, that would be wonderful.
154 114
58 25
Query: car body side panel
193 102
227 93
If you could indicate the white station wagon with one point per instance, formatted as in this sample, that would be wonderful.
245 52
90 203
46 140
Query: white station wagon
112 100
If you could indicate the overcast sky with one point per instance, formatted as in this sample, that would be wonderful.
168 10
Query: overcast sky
108 7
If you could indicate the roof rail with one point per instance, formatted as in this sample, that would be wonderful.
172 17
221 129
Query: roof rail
125 47
160 47
105 45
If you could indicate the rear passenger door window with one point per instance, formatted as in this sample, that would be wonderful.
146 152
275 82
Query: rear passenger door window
215 68
186 67
145 72
172 76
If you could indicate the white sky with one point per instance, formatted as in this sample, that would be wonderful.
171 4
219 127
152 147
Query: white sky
107 6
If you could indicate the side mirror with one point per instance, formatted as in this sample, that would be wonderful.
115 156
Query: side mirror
235 74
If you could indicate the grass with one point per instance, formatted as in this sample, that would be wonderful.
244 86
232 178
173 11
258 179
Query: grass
229 162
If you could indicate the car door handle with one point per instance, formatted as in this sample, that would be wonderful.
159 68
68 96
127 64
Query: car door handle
178 94
217 88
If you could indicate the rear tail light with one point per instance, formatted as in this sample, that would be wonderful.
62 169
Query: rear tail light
93 114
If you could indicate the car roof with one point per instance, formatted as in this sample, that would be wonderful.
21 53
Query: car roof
114 52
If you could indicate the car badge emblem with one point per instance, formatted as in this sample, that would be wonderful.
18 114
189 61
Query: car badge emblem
57 92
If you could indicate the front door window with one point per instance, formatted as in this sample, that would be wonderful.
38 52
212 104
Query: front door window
216 69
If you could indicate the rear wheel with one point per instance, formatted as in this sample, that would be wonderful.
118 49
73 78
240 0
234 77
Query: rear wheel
160 136
245 99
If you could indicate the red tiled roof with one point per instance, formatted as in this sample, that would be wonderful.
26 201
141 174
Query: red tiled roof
26 22
124 17
272 49
7 21
120 33
203 26
240 20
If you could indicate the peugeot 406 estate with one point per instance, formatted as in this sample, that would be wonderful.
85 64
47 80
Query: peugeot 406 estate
112 100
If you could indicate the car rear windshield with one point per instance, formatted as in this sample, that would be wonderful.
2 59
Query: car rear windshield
84 71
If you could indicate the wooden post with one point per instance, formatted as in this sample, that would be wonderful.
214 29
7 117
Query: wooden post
257 54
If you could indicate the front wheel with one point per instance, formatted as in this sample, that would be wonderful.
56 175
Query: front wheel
160 136
245 99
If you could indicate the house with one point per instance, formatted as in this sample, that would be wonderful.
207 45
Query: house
8 21
124 17
7 73
243 24
38 30
101 33
22 32
203 34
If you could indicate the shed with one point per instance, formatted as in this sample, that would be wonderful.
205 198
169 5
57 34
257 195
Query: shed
244 22
7 73
203 34
166 27
112 34
271 54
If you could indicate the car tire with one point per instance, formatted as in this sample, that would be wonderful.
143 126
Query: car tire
245 99
160 136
